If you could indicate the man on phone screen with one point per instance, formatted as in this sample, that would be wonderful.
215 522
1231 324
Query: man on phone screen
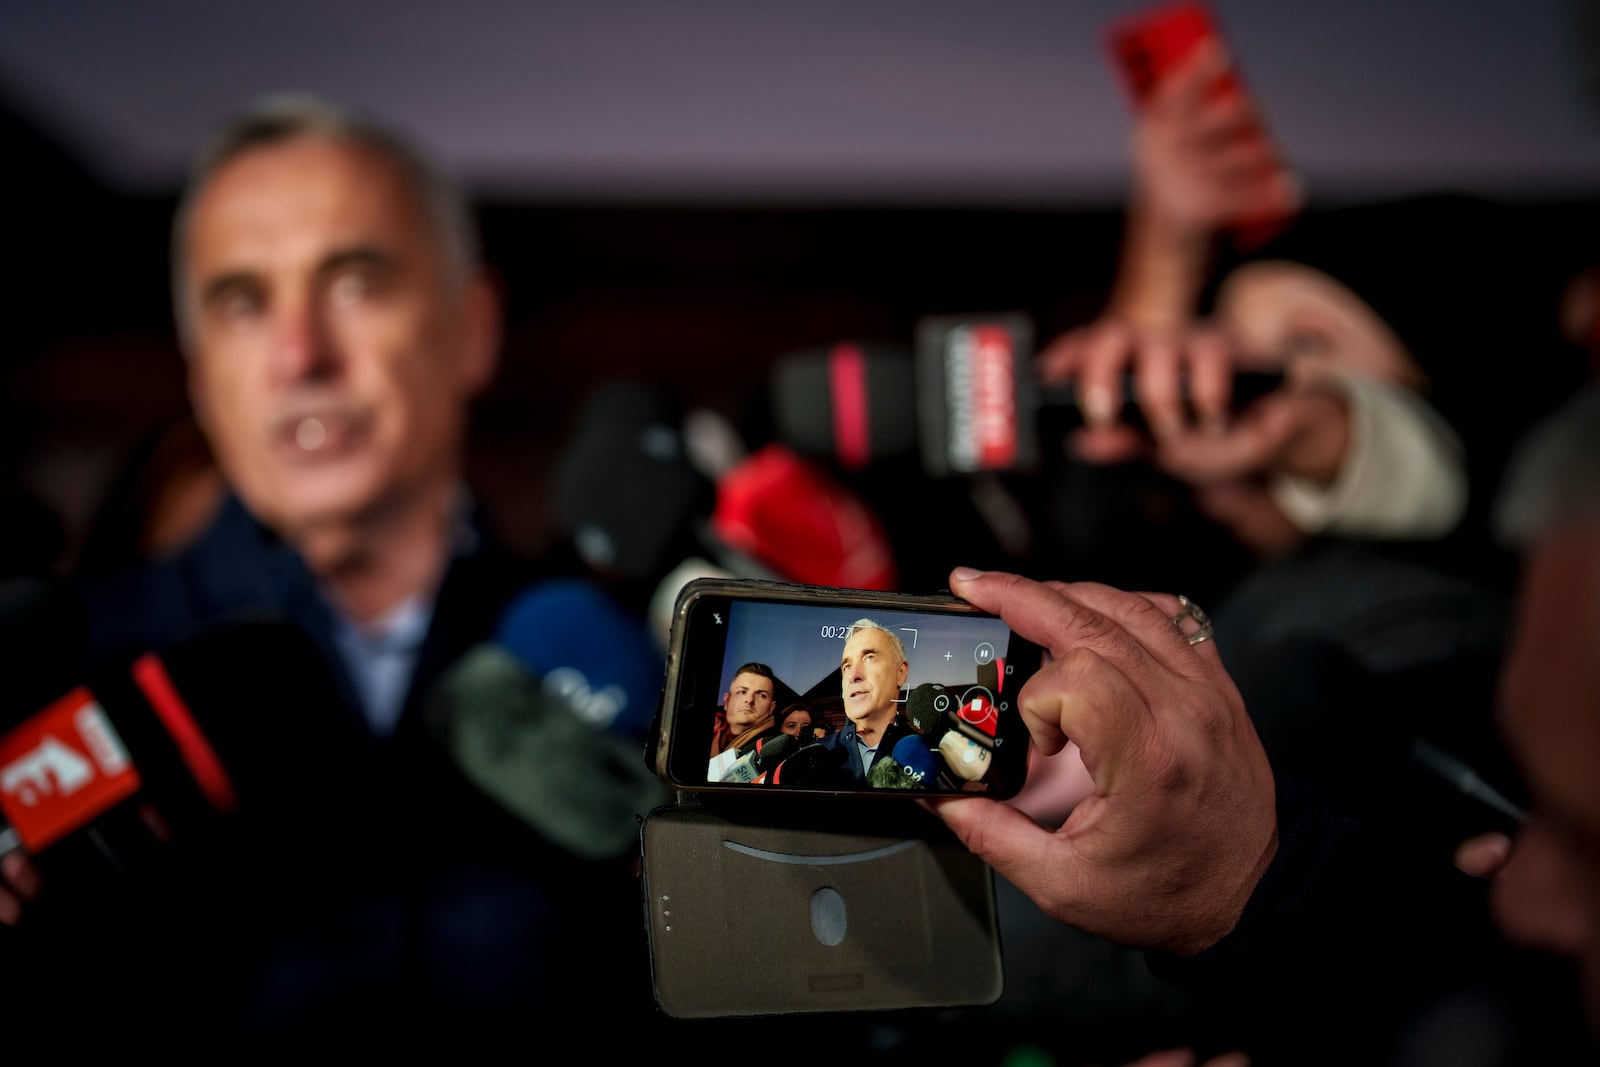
873 671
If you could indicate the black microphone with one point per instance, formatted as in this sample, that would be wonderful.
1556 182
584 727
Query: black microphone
639 507
760 757
812 765
180 807
626 491
970 384
926 707
173 747
636 505
852 404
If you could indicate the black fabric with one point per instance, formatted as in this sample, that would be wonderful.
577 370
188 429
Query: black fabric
1353 654
1357 948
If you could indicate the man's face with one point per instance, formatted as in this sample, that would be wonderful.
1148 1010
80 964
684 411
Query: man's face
332 352
749 698
871 677
1549 893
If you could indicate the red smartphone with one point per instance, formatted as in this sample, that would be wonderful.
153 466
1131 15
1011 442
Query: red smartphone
1149 44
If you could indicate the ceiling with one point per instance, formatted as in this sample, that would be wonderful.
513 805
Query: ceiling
981 101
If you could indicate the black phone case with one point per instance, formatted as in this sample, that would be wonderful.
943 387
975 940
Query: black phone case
748 918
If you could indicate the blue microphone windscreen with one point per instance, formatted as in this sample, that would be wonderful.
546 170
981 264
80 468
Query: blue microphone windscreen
913 754
586 648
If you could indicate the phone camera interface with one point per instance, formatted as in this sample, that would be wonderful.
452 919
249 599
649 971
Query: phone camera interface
814 698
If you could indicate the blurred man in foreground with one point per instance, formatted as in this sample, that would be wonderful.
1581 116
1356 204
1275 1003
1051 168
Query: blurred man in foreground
337 323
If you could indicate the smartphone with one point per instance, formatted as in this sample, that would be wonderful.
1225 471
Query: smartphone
1147 45
944 721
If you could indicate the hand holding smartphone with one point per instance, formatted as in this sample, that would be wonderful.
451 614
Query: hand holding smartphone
908 696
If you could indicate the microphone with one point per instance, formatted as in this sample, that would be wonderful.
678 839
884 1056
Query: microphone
760 758
969 381
968 746
588 652
786 512
979 713
926 706
909 765
654 498
526 721
626 491
812 765
850 403
631 496
171 748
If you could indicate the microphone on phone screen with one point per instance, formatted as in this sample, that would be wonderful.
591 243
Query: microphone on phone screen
926 706
910 764
761 758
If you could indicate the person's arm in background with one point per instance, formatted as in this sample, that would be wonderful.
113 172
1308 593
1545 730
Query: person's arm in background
1200 164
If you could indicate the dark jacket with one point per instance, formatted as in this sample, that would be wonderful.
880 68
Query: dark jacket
848 761
365 889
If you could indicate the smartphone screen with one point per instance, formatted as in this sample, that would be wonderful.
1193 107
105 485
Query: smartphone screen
814 689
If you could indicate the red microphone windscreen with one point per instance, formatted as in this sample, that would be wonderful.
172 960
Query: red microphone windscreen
788 514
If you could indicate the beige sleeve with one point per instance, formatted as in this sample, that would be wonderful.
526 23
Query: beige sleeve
1403 476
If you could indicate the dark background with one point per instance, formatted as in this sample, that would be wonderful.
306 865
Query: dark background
684 193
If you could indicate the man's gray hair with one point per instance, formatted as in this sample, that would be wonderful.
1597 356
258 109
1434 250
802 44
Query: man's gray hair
1553 479
893 638
282 117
